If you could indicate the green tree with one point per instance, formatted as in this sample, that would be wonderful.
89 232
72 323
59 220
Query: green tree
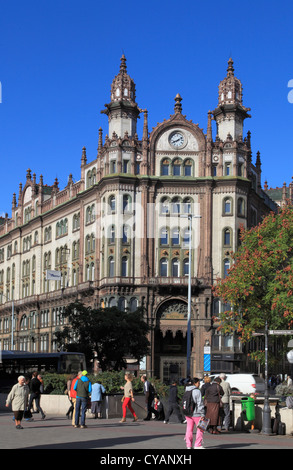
111 333
259 286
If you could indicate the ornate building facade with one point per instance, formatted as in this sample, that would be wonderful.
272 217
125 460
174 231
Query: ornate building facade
120 235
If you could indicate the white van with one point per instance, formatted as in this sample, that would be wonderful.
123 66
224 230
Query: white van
244 383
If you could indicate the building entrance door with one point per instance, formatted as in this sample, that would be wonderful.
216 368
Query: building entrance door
172 368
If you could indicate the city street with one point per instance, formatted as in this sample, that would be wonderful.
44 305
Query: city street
56 432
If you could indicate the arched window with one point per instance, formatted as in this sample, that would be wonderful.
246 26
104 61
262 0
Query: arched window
133 304
241 207
126 203
187 168
163 267
227 206
165 206
187 205
111 234
164 238
186 236
176 205
112 302
227 237
125 234
177 164
111 266
112 204
186 266
122 304
124 266
226 267
165 167
175 267
175 236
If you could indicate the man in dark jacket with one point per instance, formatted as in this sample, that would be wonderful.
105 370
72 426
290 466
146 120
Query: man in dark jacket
35 389
149 393
173 406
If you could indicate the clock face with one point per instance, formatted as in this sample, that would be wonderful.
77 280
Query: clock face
176 139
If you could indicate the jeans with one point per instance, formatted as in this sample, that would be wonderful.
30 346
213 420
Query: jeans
226 417
36 397
81 403
189 432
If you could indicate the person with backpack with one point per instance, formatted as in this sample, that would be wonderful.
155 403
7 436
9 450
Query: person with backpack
193 409
83 388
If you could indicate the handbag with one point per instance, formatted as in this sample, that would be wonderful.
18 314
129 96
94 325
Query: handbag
203 423
221 403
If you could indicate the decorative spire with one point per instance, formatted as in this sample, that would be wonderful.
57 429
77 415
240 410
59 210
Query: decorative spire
28 174
209 128
14 201
230 68
230 89
123 87
19 193
258 161
178 106
83 157
145 125
123 68
100 143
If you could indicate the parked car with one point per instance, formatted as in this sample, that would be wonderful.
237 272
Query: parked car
244 383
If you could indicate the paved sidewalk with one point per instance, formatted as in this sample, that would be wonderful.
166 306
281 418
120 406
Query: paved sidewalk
56 432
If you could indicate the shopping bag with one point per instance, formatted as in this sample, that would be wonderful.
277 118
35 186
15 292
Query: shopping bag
203 423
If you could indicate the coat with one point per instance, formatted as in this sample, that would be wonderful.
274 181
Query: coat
97 390
18 396
213 393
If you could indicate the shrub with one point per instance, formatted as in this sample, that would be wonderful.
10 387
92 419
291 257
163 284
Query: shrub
283 390
55 384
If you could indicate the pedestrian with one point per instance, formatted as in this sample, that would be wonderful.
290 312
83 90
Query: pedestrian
226 402
27 416
213 402
67 392
96 399
128 398
35 389
158 408
83 388
206 384
149 393
289 381
18 398
72 394
173 406
199 411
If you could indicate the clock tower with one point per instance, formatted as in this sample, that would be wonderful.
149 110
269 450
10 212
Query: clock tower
122 111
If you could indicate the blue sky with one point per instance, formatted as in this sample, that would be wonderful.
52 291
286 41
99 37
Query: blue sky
58 59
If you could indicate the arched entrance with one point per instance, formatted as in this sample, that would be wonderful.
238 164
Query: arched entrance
170 338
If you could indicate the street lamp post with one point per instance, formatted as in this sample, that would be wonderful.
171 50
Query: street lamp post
266 418
188 368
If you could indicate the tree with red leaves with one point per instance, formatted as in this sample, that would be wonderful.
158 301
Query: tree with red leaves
259 286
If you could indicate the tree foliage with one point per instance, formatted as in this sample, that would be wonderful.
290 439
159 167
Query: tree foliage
259 285
109 332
